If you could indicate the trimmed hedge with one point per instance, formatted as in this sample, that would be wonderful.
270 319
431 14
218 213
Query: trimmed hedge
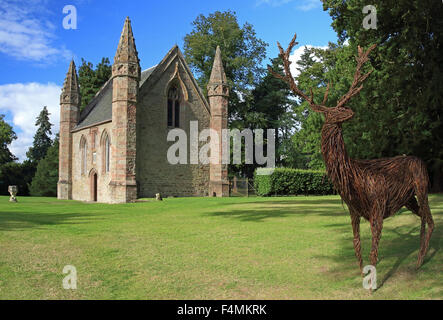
285 181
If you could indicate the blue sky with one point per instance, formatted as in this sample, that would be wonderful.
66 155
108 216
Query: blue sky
35 49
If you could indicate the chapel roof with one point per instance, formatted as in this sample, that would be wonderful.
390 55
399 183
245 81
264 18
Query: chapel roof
99 110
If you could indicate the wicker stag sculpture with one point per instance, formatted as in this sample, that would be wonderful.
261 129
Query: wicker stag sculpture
372 189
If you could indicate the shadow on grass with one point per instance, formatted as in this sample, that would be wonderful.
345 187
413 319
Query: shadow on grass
407 242
401 243
299 200
13 221
260 215
283 208
398 242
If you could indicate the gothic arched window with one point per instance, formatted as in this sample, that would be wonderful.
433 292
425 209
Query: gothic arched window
106 153
84 154
173 107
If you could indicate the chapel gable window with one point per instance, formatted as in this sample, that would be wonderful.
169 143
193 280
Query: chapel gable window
106 152
174 107
84 155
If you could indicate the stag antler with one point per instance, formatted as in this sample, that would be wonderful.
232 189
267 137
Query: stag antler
361 59
289 79
356 86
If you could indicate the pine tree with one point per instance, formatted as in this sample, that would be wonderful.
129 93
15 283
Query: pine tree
42 140
91 80
45 180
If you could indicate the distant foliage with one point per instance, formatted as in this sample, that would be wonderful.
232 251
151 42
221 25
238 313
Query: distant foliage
285 181
91 80
45 180
42 138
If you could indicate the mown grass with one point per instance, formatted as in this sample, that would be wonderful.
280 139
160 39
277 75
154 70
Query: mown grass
207 248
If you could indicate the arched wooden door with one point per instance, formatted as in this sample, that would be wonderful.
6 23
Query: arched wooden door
94 187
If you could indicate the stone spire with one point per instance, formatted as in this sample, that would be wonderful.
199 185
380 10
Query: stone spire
218 75
69 115
71 92
126 61
125 83
218 94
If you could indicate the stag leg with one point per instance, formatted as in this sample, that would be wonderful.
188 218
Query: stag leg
413 206
425 213
355 220
421 191
376 228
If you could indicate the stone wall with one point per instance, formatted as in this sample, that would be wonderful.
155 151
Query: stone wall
154 173
82 188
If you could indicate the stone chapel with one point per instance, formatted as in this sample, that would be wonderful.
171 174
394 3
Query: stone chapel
115 149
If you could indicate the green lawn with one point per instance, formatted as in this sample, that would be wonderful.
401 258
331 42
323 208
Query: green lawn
207 248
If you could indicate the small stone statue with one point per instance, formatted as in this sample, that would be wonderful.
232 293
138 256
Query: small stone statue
158 197
13 190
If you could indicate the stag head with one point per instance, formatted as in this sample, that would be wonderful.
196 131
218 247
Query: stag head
340 112
333 115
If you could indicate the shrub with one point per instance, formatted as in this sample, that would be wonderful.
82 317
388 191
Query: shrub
285 181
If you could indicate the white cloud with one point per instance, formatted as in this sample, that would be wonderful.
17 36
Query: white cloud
307 5
296 56
24 102
26 34
304 5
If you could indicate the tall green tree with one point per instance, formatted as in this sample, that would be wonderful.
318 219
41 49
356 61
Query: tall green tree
273 108
92 79
400 109
242 53
42 138
269 106
316 67
44 183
